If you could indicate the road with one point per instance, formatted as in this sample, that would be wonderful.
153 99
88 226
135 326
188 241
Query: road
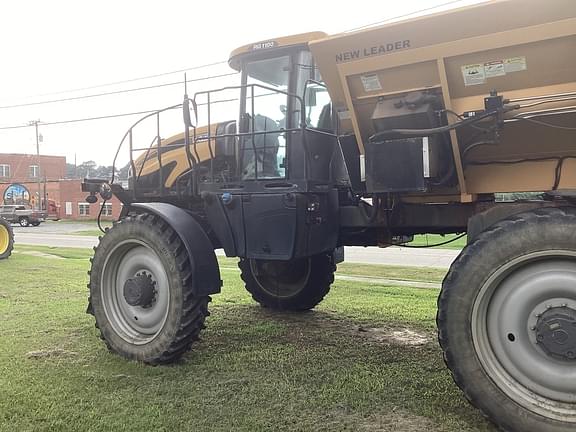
61 234
59 240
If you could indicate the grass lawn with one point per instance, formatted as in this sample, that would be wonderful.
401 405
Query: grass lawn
432 239
365 360
92 232
419 240
88 232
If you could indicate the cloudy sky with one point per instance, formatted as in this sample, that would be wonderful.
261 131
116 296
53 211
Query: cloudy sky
63 49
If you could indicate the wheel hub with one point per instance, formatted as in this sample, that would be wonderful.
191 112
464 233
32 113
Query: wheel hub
281 279
140 290
556 333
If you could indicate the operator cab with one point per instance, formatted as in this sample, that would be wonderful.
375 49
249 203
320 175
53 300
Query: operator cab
278 131
285 120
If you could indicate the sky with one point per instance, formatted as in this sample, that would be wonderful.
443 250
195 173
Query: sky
63 49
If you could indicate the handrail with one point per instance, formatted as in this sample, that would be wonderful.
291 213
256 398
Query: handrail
192 152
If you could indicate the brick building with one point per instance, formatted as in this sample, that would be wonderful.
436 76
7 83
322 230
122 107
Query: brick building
24 179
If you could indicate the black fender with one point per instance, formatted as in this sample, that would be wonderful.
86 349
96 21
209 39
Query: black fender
480 222
205 270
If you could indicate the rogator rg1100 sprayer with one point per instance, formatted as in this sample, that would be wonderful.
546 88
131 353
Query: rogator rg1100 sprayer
368 138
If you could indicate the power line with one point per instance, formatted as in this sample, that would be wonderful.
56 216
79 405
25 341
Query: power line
104 117
80 120
114 92
404 15
130 80
201 66
170 84
183 70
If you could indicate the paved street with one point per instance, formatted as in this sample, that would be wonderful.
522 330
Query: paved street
441 258
62 234
60 240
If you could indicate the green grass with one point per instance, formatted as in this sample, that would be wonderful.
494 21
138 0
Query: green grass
423 274
88 232
61 252
92 232
252 371
432 239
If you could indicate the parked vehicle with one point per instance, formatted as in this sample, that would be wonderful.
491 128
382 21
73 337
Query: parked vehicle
22 214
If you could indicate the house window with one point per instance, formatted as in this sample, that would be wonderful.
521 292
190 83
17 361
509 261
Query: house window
83 209
33 171
4 170
107 209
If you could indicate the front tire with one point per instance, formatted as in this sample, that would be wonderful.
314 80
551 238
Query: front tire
6 239
507 322
24 222
295 285
141 291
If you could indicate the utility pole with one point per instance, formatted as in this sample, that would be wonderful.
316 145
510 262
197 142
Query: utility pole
35 124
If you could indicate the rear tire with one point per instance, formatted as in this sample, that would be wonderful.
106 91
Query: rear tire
501 304
141 291
6 239
295 285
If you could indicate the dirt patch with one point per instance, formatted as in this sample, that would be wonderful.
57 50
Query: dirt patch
403 336
51 353
397 421
309 324
392 421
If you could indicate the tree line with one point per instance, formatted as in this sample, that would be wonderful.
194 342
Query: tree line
91 169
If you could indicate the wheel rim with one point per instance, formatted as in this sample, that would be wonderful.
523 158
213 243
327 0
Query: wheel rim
24 222
4 239
129 260
508 315
281 279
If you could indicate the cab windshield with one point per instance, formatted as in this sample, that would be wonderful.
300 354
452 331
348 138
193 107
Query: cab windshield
264 153
269 111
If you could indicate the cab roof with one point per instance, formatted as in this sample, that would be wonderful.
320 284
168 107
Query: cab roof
285 41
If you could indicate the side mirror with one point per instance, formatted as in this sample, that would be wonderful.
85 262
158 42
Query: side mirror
186 105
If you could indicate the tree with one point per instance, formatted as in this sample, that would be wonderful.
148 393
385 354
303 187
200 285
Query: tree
123 172
71 171
86 169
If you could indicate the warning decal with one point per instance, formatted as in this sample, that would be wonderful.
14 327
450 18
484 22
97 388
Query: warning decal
371 82
475 74
515 64
494 69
